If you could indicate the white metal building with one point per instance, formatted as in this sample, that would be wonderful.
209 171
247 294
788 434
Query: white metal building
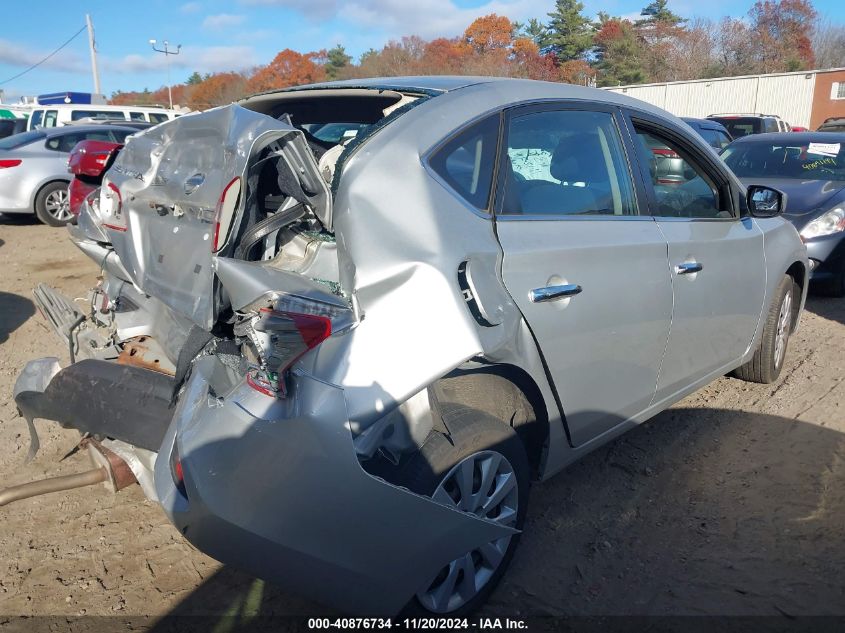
800 98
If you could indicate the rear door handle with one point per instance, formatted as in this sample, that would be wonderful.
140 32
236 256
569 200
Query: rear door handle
687 268
551 293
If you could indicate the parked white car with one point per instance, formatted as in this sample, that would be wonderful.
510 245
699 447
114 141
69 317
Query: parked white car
58 115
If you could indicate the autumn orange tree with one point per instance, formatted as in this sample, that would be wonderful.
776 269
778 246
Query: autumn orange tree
288 68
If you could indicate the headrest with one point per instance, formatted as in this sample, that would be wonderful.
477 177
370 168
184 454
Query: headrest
578 158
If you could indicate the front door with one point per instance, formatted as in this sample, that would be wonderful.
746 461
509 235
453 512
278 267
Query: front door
715 258
587 270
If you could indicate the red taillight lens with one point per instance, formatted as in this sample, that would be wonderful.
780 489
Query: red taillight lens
176 471
9 162
225 210
283 337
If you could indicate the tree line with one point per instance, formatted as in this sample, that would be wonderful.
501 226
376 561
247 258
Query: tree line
567 46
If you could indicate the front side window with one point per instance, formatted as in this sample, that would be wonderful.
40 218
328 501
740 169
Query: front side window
717 139
157 117
681 188
50 118
466 162
136 116
565 162
37 117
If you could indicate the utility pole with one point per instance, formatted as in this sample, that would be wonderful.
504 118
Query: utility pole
167 53
93 47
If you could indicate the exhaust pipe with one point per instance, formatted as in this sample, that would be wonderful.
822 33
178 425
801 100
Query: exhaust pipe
111 470
53 484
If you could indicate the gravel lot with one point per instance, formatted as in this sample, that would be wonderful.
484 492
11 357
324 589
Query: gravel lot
732 502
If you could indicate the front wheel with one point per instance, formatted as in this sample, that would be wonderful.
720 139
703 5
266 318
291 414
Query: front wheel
481 468
52 205
766 364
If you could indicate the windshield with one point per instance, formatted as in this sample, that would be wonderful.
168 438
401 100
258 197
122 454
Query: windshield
806 160
740 126
19 140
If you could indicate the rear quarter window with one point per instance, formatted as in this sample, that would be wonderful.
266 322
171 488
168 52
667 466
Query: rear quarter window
465 162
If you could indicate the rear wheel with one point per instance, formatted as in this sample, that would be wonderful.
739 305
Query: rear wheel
480 468
766 364
52 204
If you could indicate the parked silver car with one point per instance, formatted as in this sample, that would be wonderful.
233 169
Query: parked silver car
33 169
339 368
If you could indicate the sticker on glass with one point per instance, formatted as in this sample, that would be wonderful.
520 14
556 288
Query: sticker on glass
824 149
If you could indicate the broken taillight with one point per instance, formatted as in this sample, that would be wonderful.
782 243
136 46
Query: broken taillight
282 334
111 207
176 471
283 337
225 210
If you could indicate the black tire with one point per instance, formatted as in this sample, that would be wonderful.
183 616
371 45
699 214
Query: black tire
764 366
471 432
44 199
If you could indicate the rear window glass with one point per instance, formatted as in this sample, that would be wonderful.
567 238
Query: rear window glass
741 126
137 116
157 117
465 163
820 159
19 140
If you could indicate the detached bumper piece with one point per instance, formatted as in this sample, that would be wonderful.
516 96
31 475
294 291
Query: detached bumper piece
97 397
61 313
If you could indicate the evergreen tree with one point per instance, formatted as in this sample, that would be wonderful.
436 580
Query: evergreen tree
659 11
570 33
194 79
336 60
534 30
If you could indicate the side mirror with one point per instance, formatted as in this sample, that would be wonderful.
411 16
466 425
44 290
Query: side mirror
765 202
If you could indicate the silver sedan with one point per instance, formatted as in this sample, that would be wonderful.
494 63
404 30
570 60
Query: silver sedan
33 169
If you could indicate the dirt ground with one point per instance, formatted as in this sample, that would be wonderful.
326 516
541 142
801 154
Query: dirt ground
730 503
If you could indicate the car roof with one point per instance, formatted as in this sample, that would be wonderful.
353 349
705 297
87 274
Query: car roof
426 83
794 137
706 123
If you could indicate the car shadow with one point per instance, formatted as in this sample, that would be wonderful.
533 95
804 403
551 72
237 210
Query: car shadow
18 218
14 310
831 308
699 511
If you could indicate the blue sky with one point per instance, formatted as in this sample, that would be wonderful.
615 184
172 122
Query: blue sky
219 35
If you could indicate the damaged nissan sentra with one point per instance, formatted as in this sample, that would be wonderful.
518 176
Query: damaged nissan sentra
338 366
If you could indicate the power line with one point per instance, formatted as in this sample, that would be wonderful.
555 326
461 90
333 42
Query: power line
36 65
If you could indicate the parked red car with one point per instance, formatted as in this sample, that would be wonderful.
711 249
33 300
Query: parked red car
88 161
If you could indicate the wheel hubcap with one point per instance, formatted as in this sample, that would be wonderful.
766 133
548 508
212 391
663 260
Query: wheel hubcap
483 484
57 205
784 325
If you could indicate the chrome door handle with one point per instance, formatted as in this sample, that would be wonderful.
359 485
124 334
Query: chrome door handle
687 268
550 293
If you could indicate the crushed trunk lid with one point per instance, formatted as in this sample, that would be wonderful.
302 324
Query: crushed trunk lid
184 192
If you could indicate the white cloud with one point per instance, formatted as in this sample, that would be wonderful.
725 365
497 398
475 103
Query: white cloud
190 7
222 21
313 9
18 55
204 59
434 18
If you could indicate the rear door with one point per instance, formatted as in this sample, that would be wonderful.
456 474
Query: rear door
587 270
715 259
